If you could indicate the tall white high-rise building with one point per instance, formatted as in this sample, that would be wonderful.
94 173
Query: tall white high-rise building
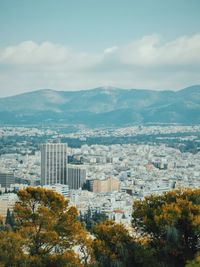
53 163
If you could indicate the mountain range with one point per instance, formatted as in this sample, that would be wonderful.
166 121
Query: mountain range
103 106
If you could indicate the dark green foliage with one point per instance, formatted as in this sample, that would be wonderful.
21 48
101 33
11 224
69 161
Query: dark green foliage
172 222
90 219
114 247
10 221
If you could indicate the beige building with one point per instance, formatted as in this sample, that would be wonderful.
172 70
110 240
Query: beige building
102 186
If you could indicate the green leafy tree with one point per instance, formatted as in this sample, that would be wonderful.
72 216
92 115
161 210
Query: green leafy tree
172 221
90 219
10 219
114 247
11 250
48 229
195 262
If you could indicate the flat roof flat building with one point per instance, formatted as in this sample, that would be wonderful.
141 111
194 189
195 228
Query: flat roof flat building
53 163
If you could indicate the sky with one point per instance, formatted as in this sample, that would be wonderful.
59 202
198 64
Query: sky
82 44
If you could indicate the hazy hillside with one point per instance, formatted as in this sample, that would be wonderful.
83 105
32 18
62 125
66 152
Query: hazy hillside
102 107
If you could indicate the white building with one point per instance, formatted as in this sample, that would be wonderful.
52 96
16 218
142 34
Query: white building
53 163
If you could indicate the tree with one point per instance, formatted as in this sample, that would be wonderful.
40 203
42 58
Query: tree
11 250
115 247
10 219
90 219
172 220
48 228
1 224
48 233
195 262
98 217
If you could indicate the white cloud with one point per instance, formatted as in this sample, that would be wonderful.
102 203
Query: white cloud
110 49
143 63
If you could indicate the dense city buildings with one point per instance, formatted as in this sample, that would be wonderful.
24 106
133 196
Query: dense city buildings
117 165
53 163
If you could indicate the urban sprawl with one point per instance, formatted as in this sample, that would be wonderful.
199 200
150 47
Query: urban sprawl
101 170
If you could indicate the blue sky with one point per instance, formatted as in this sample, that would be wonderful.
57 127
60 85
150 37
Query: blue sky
69 45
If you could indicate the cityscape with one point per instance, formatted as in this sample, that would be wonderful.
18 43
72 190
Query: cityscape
99 177
100 133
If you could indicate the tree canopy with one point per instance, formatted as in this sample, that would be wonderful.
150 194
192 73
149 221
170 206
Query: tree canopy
90 219
47 227
115 247
165 233
172 221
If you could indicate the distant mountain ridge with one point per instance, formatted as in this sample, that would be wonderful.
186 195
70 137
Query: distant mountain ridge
103 106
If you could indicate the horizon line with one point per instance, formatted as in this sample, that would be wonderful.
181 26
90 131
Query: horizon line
105 87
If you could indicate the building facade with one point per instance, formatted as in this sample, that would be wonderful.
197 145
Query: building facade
6 179
53 163
102 186
76 176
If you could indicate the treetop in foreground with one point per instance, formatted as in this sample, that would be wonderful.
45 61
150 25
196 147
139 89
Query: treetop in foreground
47 233
47 227
172 222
